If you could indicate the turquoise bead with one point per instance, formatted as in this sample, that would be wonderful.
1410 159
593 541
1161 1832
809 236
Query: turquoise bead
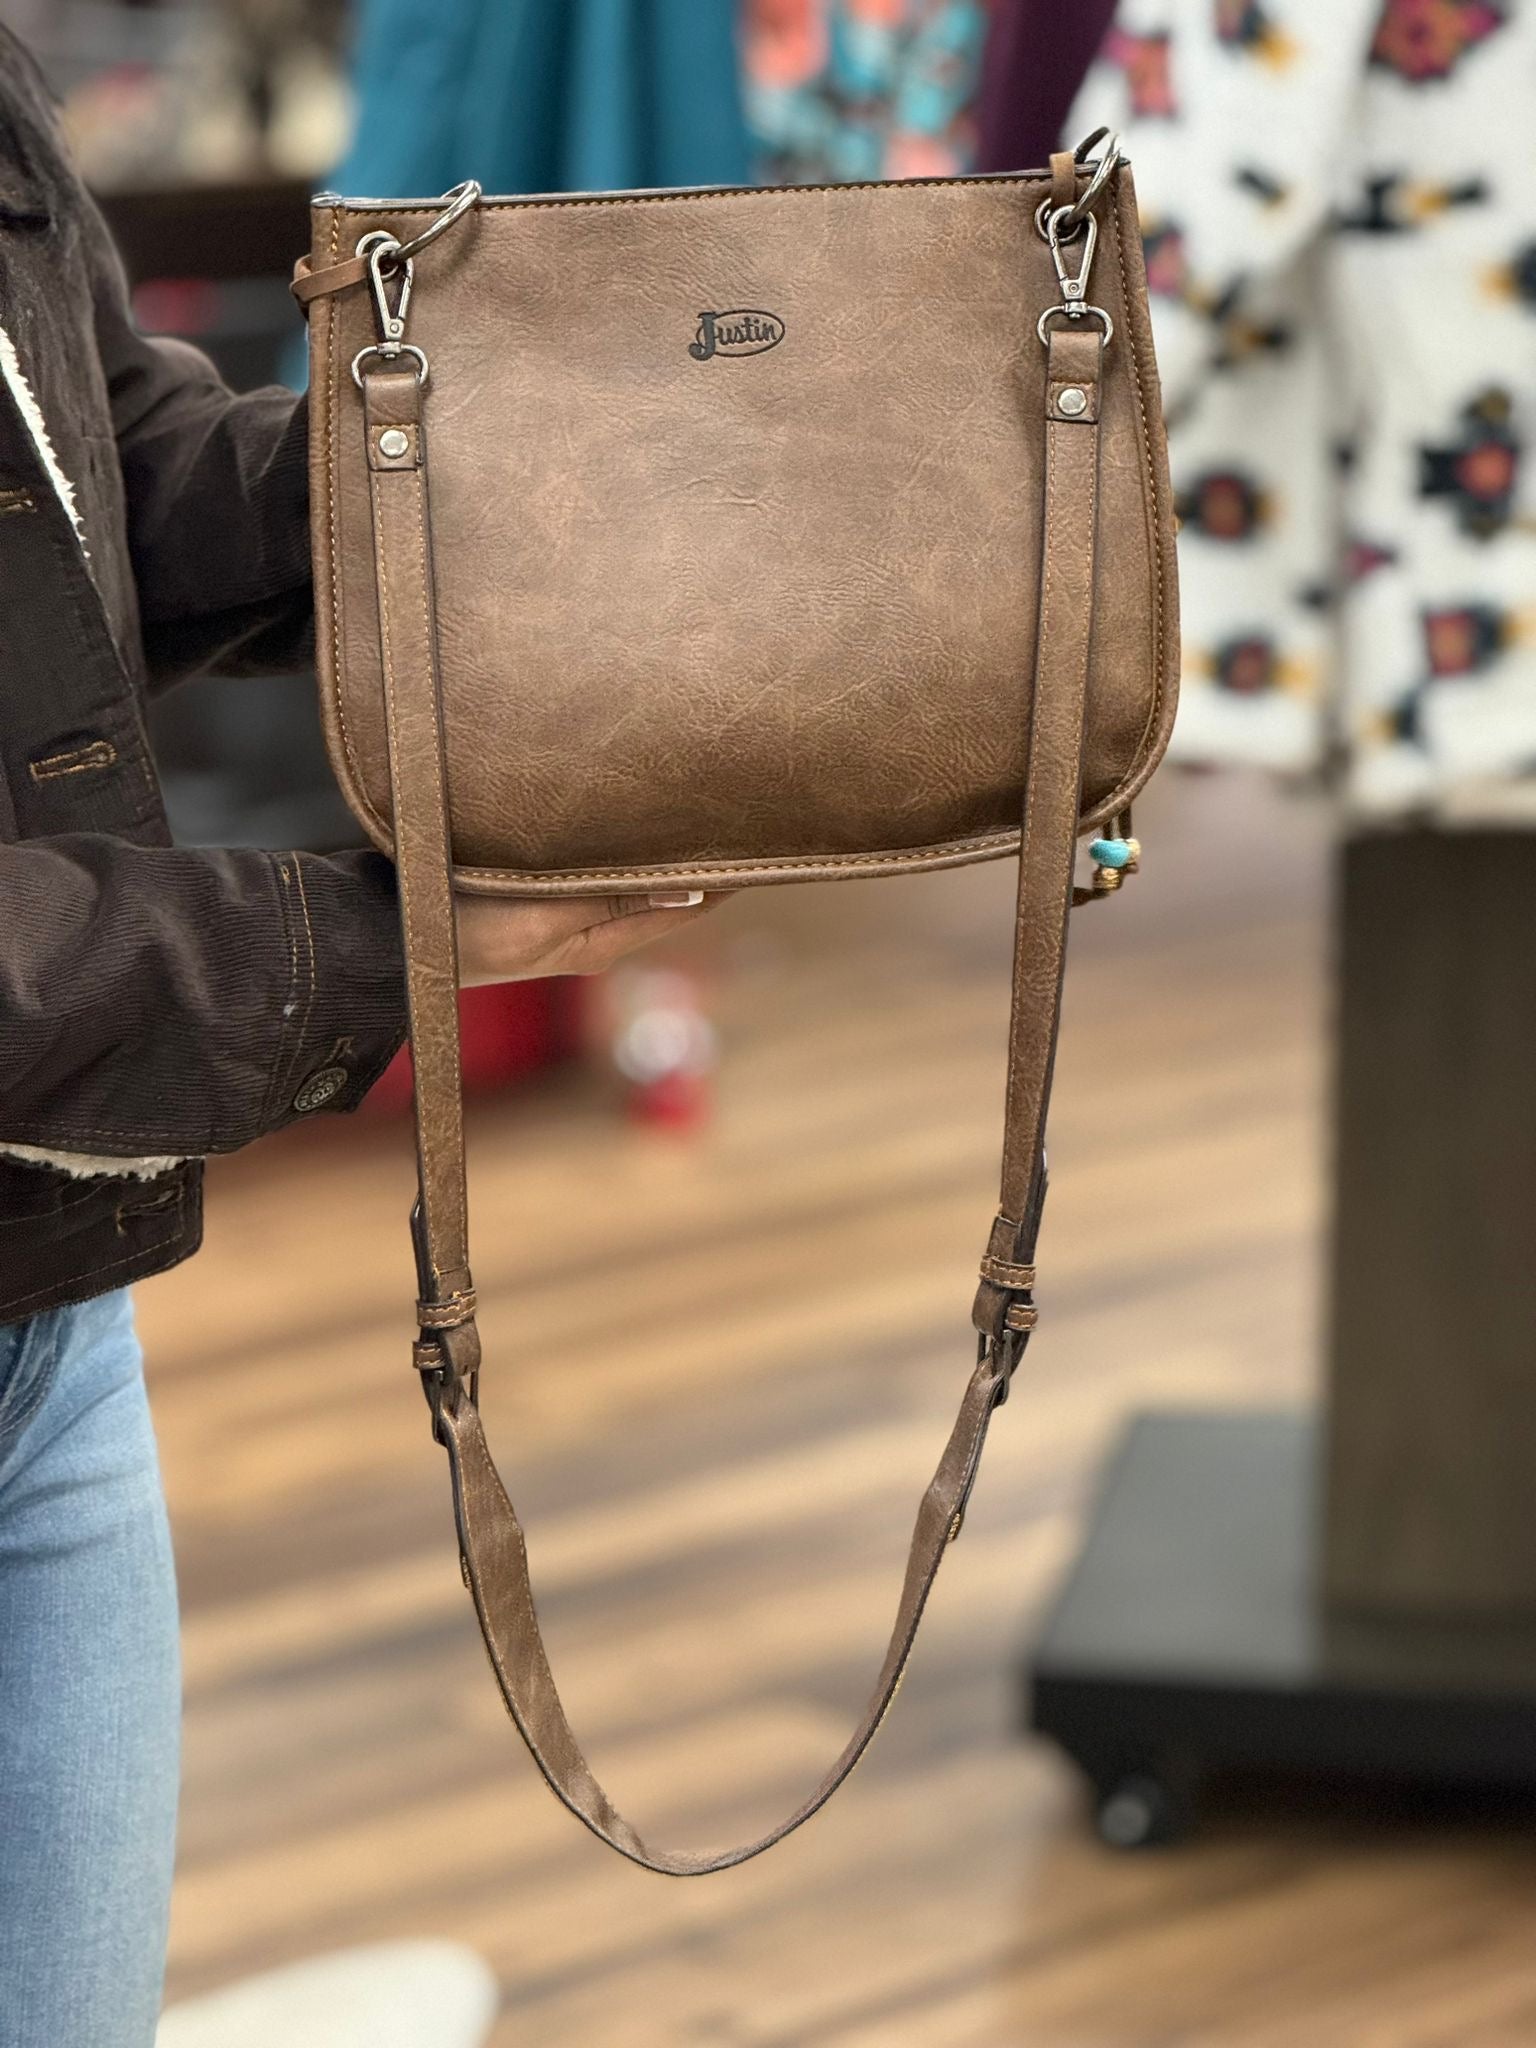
1110 853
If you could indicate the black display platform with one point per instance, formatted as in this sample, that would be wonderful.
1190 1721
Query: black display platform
1189 1640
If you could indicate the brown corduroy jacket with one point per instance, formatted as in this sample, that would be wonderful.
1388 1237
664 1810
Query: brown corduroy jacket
157 1003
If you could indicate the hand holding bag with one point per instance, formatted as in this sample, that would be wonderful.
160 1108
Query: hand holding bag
771 535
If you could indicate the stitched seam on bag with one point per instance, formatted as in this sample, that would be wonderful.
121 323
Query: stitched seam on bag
512 203
745 867
1129 781
1154 501
905 857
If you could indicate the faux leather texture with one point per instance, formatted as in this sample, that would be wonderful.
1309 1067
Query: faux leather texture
731 617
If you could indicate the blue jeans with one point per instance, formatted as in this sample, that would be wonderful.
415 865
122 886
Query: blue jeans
89 1686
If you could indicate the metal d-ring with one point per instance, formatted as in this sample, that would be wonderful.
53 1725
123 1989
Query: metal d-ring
388 354
456 204
1078 311
1069 219
1103 171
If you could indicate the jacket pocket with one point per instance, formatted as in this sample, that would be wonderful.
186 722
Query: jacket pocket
99 1235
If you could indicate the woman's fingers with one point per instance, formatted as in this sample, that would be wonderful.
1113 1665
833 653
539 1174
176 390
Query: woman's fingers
517 938
599 945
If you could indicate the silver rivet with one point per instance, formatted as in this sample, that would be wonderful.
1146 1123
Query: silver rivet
1072 402
394 441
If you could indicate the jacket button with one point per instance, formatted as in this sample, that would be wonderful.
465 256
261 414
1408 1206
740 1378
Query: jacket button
322 1087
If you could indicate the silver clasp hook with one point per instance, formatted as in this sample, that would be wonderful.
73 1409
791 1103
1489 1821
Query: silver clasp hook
1074 226
385 261
1075 304
1074 286
389 258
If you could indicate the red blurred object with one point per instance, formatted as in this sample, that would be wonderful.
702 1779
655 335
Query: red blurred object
661 1040
508 1032
176 305
677 1102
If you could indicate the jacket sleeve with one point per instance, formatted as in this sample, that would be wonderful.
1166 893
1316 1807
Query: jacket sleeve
157 1001
217 494
165 1002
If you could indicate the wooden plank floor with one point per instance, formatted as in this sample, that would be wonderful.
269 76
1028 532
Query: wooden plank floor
718 1447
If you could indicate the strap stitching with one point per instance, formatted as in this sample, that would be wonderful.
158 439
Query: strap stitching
1015 996
1007 1272
439 776
430 1140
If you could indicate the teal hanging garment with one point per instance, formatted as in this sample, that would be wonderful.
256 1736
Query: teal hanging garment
545 96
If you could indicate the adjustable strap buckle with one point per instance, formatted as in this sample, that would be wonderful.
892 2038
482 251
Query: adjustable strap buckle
449 1364
1004 1353
446 1352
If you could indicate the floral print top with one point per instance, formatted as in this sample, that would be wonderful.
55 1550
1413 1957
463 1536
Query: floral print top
1339 200
839 90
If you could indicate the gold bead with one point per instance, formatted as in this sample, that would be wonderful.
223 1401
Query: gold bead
1107 880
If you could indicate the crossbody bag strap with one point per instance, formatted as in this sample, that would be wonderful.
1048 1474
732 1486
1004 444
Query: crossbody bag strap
1004 1311
447 1351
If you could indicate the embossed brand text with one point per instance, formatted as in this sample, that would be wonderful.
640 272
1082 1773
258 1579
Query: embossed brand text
744 331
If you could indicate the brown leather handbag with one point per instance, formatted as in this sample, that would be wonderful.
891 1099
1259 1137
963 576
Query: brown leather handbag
770 535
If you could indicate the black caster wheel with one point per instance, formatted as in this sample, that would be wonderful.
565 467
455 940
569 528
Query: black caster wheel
1141 1811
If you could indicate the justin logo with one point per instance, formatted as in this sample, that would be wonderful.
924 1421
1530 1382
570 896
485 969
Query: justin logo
741 332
